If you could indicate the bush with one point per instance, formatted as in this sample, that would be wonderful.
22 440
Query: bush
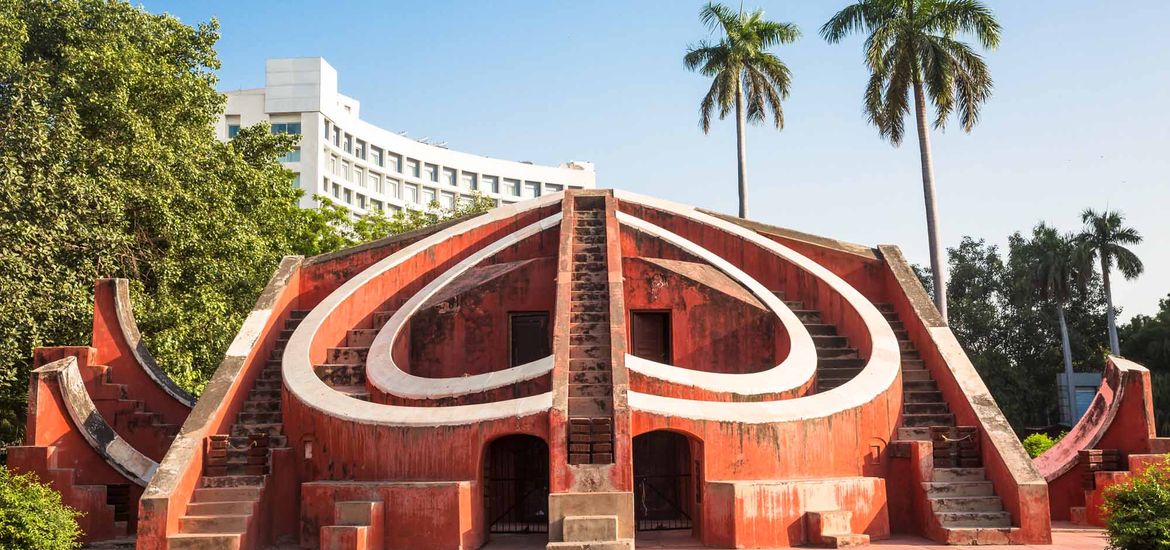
1037 444
1138 511
32 515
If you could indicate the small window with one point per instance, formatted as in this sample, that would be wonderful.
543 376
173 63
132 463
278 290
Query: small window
375 204
336 136
347 170
360 150
359 177
348 196
428 196
292 156
531 189
376 183
412 167
467 181
232 130
432 172
553 187
391 188
411 194
348 144
361 201
336 191
447 200
296 183
511 188
395 162
334 168
490 184
286 128
376 155
650 335
449 177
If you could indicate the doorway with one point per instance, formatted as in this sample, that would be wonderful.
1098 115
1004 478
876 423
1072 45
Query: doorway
665 496
650 336
530 338
515 488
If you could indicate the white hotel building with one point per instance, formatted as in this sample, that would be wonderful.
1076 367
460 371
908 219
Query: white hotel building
367 168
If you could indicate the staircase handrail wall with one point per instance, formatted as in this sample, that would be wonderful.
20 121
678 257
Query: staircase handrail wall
166 497
1011 471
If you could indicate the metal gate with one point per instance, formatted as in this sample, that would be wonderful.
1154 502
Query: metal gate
664 489
516 485
661 502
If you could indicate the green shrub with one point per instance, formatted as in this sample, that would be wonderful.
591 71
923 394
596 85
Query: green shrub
1037 444
32 515
1138 511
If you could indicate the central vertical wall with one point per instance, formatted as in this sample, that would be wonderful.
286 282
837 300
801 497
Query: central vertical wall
590 380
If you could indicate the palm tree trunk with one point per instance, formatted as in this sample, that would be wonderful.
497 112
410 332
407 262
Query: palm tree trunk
1110 315
741 149
1068 367
937 267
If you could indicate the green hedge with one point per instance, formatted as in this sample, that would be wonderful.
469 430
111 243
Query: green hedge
1037 444
32 516
1138 511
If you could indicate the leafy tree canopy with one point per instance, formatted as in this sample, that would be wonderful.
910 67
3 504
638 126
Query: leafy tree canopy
109 167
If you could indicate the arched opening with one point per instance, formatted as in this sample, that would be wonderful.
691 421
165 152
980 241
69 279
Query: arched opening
667 471
515 488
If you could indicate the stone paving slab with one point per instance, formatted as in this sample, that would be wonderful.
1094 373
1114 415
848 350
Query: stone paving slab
1063 538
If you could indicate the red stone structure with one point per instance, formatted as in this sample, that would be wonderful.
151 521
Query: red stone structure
587 365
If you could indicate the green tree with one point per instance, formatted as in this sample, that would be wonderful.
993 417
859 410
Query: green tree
109 166
1105 238
1146 340
32 516
745 75
911 47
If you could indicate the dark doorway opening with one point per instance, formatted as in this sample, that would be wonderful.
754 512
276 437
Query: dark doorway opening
664 484
650 337
515 489
530 337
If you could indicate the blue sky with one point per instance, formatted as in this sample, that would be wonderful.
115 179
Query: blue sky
1079 116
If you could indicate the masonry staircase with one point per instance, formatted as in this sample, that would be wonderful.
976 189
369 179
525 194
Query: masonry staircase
837 361
104 520
344 369
142 428
590 359
237 465
961 497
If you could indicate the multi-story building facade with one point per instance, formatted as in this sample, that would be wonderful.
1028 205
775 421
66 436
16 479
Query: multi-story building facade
367 168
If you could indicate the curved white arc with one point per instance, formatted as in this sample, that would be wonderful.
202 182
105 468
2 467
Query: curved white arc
117 452
385 374
793 372
304 384
130 333
876 377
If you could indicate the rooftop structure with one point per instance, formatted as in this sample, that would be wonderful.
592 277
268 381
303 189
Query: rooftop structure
589 366
366 168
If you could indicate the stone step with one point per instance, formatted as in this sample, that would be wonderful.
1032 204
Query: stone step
341 374
382 317
919 385
959 474
885 308
840 362
981 536
918 396
589 239
591 377
845 373
590 390
826 384
591 306
590 317
911 354
360 337
944 489
903 336
225 494
267 384
590 407
259 405
808 316
588 231
588 248
261 394
598 349
243 442
589 257
195 541
916 376
825 341
589 296
594 328
253 429
260 417
975 519
346 355
966 504
223 482
214 524
837 352
589 286
589 267
821 329
913 364
920 420
298 314
357 392
925 408
238 508
590 277
913 434
582 365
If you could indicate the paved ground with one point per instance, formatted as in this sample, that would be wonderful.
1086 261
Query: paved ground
1064 538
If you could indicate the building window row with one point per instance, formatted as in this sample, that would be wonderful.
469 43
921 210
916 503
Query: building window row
431 173
293 128
411 194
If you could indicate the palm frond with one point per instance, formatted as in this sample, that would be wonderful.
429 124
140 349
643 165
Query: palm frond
718 16
951 17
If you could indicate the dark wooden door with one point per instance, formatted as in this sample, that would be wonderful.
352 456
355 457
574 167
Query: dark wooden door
651 335
530 337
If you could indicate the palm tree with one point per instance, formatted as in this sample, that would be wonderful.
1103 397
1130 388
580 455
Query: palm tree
1056 271
911 48
743 72
1104 239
